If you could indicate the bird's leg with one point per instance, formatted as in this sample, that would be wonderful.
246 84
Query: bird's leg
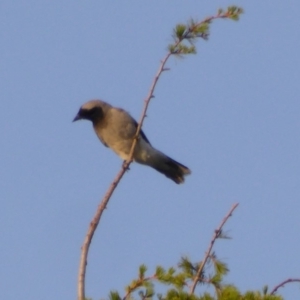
125 166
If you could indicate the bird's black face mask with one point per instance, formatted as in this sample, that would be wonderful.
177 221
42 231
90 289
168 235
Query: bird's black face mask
89 114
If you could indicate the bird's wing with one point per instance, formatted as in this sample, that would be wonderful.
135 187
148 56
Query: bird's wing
141 132
129 127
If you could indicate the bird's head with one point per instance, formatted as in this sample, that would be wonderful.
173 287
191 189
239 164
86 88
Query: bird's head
92 111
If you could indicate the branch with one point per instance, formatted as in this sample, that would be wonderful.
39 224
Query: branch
283 283
216 235
92 228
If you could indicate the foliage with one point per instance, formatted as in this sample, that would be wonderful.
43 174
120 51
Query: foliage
185 35
177 284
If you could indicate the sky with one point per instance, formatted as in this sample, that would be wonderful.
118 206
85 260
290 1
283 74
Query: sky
229 113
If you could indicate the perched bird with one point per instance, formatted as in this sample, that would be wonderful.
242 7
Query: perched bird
116 129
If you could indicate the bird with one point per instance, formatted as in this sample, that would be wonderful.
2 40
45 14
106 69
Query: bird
116 129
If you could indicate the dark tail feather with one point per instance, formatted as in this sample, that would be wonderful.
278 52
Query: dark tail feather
173 170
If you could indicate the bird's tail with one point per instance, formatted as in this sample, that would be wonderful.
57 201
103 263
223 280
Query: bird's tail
172 169
147 155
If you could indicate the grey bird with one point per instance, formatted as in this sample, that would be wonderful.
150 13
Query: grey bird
116 129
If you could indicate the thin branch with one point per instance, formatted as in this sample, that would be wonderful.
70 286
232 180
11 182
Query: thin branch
92 228
217 233
283 283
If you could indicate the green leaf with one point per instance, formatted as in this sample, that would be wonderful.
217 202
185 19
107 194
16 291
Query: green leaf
230 292
202 28
220 267
160 271
171 271
114 295
180 31
172 48
142 271
187 267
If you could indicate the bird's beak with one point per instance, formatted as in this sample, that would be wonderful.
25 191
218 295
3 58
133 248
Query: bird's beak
78 117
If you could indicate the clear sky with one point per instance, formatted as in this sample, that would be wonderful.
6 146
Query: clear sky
230 113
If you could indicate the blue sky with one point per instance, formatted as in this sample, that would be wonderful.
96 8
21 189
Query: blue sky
230 113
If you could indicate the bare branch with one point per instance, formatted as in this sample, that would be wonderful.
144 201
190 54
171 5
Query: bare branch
207 254
91 231
283 283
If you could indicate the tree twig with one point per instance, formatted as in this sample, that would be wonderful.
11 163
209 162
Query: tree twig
207 254
92 228
283 283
